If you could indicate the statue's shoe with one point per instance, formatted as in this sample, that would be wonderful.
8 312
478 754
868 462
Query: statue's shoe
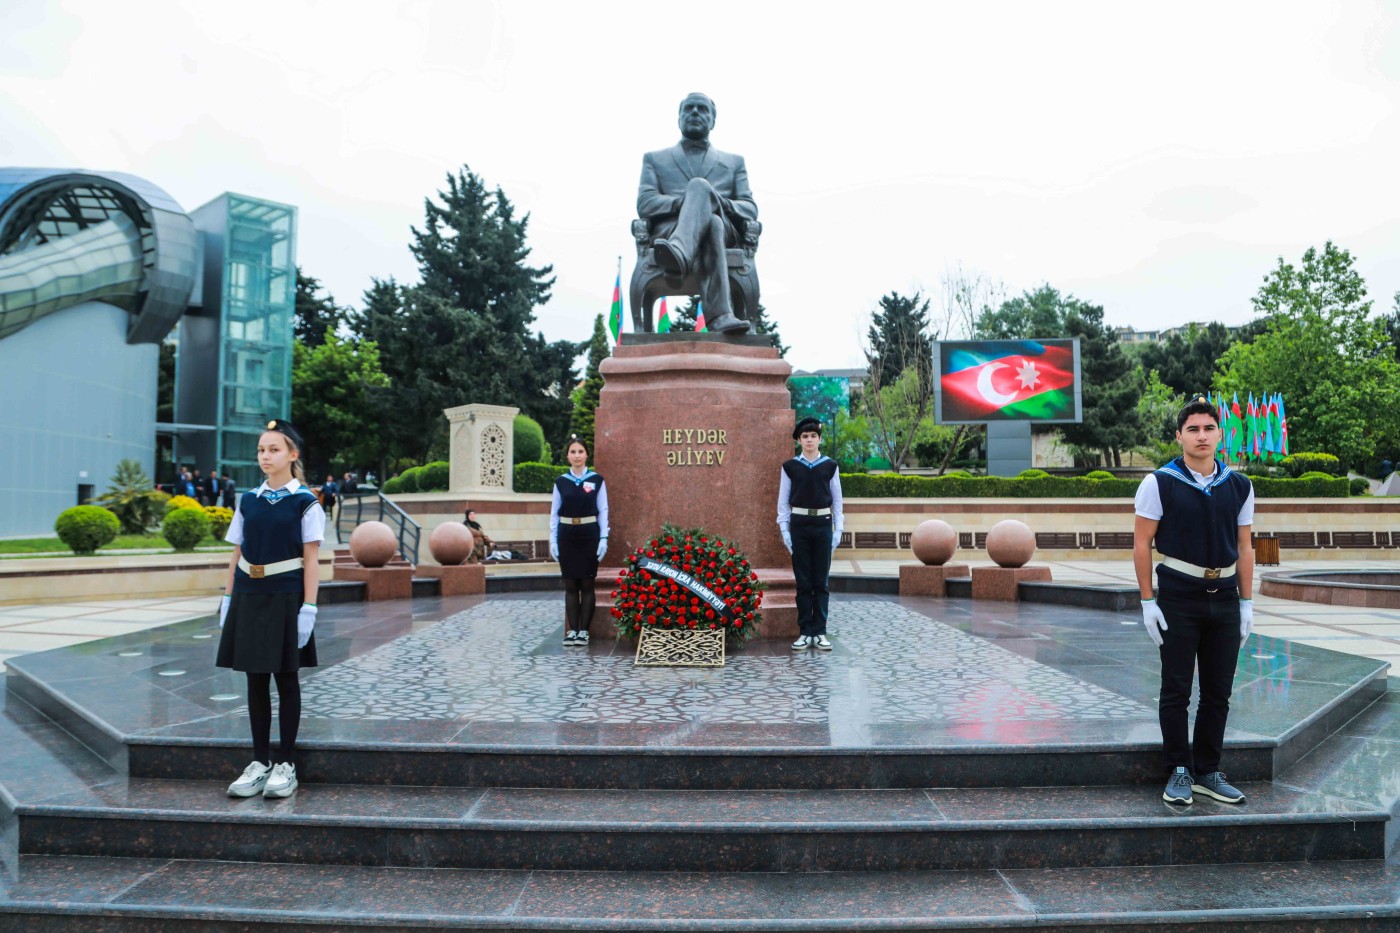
670 256
728 324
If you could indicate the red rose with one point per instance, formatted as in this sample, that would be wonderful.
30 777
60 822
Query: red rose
712 625
709 613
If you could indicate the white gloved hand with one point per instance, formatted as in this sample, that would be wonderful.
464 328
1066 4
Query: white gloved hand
1246 618
223 609
835 542
1153 621
787 539
306 622
554 551
602 547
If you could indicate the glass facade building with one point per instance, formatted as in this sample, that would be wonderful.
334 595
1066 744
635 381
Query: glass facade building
243 333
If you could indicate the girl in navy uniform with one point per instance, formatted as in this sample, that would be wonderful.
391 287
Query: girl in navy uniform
270 610
578 538
809 518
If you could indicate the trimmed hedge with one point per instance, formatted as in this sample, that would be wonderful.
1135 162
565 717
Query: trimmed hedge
436 476
1303 462
528 440
85 528
895 486
219 520
181 502
1099 474
1359 487
184 528
536 477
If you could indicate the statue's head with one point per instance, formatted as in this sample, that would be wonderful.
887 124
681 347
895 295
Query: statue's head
696 116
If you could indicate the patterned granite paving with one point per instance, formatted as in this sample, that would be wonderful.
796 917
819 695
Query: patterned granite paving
499 662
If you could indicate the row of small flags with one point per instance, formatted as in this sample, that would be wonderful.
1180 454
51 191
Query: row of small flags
1255 430
663 321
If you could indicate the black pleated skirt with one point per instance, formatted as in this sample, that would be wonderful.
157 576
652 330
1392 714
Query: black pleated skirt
260 635
578 551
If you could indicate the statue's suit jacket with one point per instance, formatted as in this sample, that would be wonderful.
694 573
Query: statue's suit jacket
665 174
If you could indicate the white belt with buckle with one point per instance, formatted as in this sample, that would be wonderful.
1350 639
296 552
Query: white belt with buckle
584 520
1205 573
811 511
258 571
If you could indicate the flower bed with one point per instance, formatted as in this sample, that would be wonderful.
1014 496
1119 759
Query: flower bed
688 579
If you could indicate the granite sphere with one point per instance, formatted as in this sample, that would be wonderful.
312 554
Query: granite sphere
933 542
451 543
373 544
1010 543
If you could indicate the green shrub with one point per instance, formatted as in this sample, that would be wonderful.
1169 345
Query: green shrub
131 497
893 485
181 502
436 476
957 473
85 528
1359 487
1283 488
529 440
1315 474
1031 474
1099 474
219 520
1300 463
409 479
184 528
536 477
391 486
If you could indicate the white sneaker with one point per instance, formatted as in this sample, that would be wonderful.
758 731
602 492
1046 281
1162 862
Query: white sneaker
803 641
581 637
252 782
570 638
283 780
821 643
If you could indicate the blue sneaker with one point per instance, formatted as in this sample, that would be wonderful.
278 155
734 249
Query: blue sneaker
1179 787
1215 785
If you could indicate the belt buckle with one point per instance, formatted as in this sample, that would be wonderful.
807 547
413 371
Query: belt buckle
1212 573
257 571
575 521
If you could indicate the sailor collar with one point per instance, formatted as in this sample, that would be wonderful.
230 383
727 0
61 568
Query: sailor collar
275 496
1195 480
810 464
578 480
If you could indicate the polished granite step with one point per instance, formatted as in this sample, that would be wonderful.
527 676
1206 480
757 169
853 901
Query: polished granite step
731 831
47 894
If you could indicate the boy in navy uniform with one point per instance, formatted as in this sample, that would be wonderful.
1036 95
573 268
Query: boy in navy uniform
809 517
1200 513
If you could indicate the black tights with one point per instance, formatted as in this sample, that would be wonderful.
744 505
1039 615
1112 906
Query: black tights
288 713
579 602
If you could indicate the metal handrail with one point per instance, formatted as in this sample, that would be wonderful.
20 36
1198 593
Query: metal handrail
380 509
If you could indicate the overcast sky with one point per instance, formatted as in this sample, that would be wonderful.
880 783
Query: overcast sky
1155 158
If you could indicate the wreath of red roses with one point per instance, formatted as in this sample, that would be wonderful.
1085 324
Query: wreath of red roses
648 600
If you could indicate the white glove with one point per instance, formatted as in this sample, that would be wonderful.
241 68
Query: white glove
554 551
1246 618
787 539
306 621
602 547
835 542
1153 620
223 609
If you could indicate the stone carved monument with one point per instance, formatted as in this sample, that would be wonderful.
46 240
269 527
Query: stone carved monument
482 445
699 227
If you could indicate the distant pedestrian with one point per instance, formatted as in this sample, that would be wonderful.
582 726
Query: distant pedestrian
348 485
229 490
187 487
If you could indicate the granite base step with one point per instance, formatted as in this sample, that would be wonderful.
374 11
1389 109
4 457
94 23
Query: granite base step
75 895
728 831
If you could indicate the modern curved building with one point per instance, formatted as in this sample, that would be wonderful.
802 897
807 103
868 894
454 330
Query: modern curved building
96 271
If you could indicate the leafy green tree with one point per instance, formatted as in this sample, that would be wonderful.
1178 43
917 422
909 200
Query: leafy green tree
895 412
132 498
1187 362
683 317
332 404
1331 360
586 403
1111 383
901 339
315 316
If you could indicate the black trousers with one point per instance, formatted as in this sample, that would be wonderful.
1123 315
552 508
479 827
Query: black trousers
811 565
1203 632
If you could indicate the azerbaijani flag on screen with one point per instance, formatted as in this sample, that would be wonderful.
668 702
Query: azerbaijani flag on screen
1007 380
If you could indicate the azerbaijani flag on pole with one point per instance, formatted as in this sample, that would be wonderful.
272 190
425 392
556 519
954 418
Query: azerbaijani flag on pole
663 322
1007 380
615 313
700 317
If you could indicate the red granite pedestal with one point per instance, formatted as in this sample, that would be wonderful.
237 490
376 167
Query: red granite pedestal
928 580
457 580
692 429
380 582
1002 582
